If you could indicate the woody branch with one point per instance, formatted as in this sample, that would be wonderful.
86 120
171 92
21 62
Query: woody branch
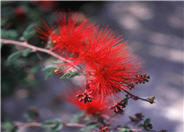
150 100
35 49
38 124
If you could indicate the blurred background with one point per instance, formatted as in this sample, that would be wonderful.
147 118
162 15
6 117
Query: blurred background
154 30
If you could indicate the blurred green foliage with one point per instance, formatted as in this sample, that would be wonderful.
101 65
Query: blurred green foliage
77 117
53 125
19 21
6 34
49 71
9 127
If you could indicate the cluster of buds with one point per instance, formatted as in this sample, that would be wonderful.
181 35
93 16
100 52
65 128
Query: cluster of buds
118 107
148 127
131 86
103 128
141 79
85 96
138 117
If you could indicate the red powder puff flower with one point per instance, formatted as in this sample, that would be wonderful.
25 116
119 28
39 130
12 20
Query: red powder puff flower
100 48
70 37
110 66
76 96
96 106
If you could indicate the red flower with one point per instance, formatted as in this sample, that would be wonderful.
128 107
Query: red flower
109 65
95 106
69 38
100 48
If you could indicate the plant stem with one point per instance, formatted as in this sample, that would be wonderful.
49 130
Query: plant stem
38 124
136 97
35 49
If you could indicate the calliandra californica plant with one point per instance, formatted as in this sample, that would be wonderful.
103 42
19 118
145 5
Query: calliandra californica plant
104 58
108 64
99 54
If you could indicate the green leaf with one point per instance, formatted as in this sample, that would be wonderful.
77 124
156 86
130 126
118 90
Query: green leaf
26 52
146 121
85 130
47 123
76 117
92 125
140 125
125 130
57 61
29 32
34 15
28 81
9 127
49 70
48 75
14 55
31 115
54 125
100 119
72 74
57 128
17 54
20 62
8 34
69 75
34 69
125 101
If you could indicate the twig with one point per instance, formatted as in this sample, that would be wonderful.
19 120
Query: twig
137 97
35 49
30 124
137 130
74 125
38 124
